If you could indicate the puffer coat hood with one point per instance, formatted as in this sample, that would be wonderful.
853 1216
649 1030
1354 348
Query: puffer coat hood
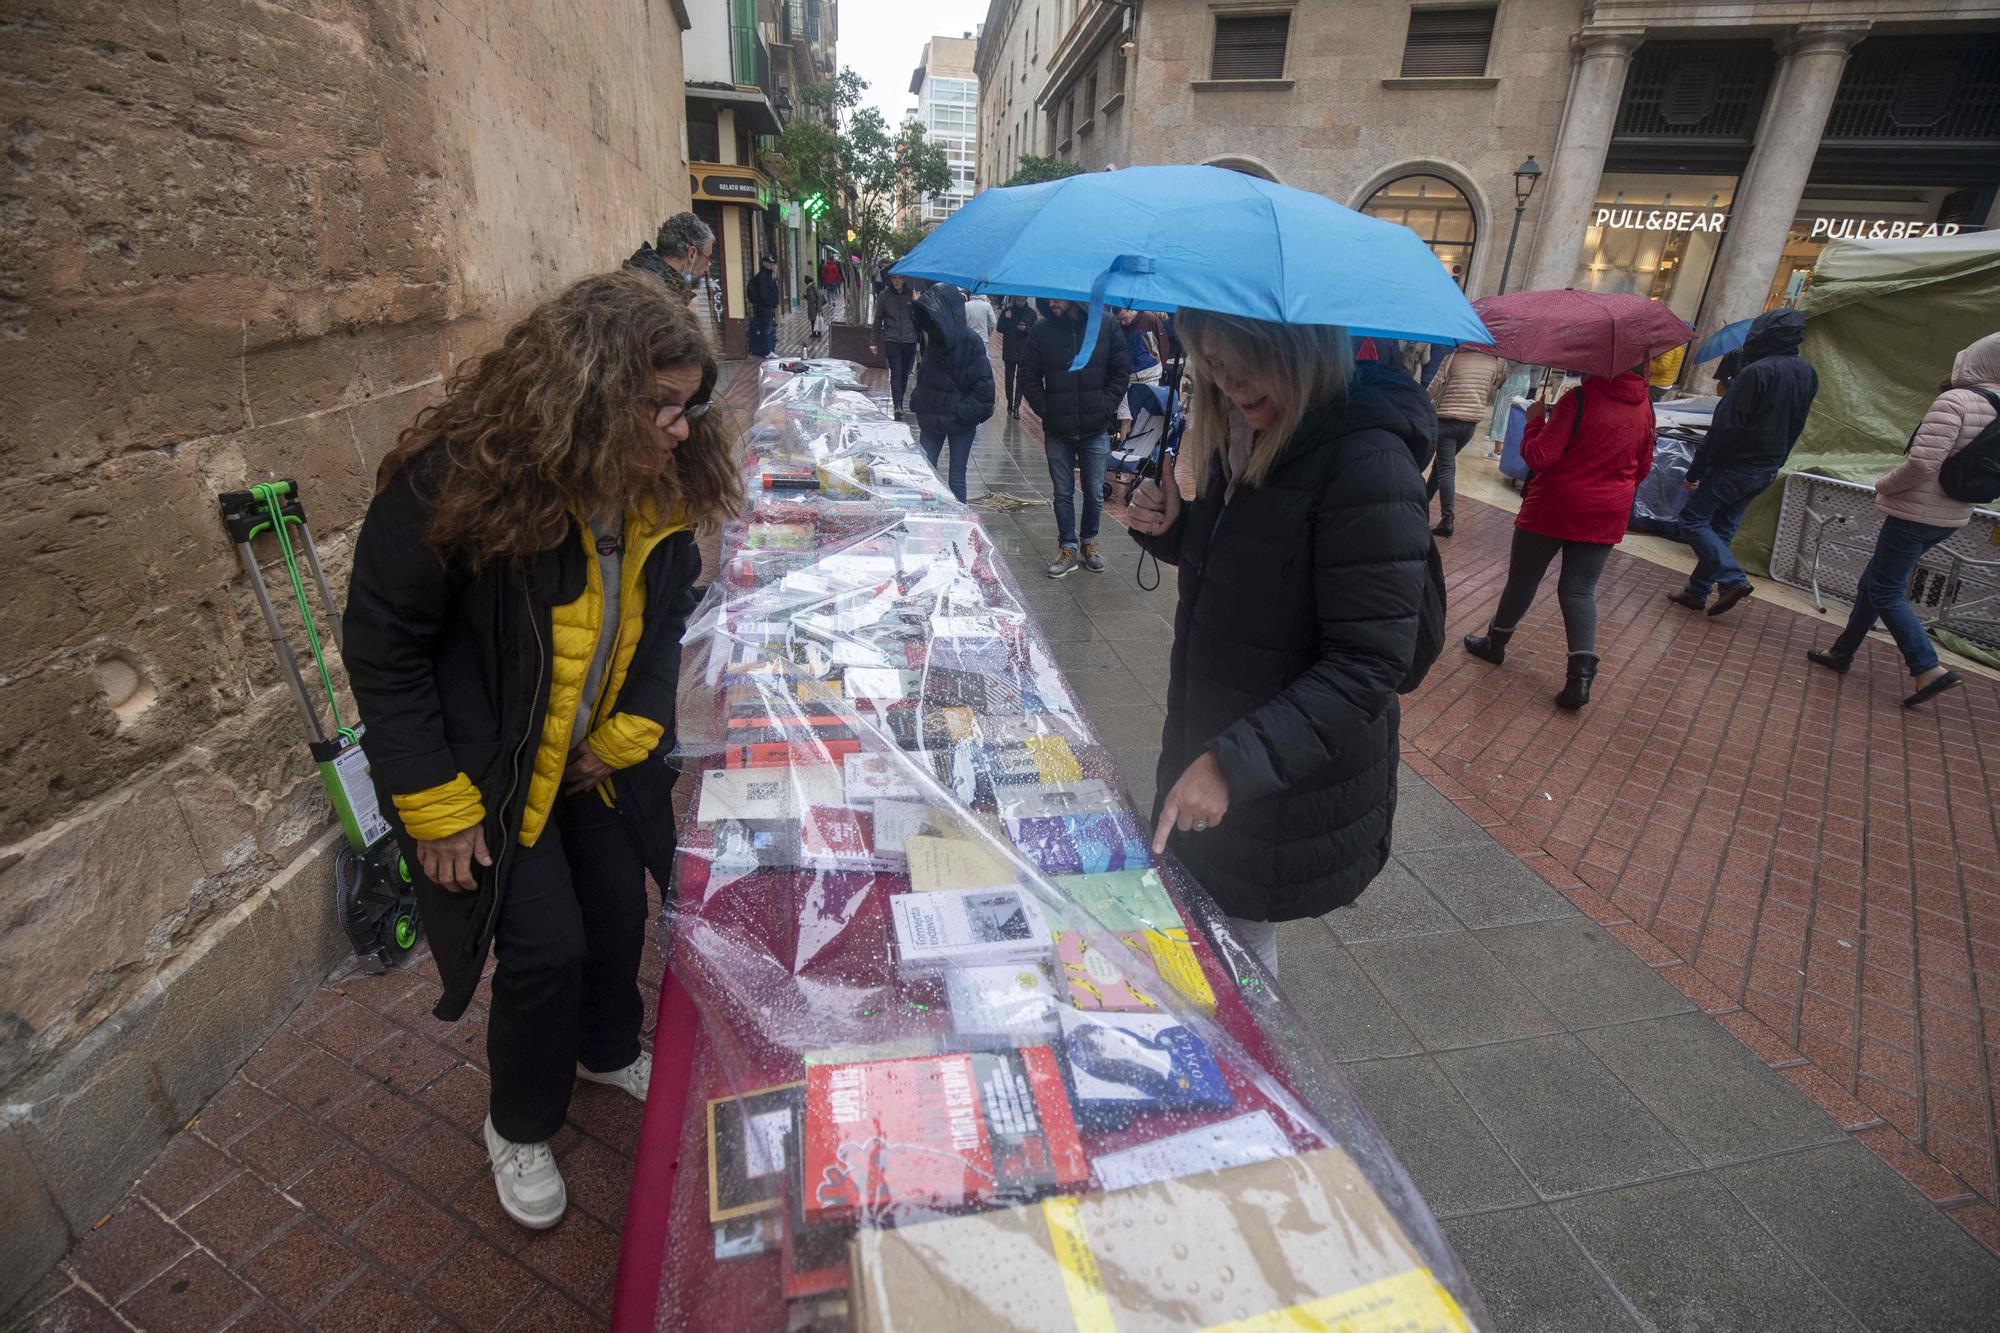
1761 416
1774 333
1977 364
1955 419
940 314
954 384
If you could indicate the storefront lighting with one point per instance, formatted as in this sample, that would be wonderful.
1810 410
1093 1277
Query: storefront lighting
1526 176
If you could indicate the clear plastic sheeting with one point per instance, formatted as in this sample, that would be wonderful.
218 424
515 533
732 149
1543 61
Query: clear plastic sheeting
1657 503
971 1056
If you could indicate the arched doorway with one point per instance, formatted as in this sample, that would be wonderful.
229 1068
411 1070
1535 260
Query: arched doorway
1437 211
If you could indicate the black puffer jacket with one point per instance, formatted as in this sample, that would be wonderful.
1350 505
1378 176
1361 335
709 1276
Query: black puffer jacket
895 314
1297 619
1760 417
1017 321
954 389
1074 404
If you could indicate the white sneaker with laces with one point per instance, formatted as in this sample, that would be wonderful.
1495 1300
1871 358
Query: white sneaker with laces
530 1183
635 1078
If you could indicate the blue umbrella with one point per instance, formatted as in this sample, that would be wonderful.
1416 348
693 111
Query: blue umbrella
1157 238
1723 341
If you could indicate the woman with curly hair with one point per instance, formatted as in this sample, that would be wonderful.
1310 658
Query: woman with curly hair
520 588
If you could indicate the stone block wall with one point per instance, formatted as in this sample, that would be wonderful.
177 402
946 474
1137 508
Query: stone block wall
243 240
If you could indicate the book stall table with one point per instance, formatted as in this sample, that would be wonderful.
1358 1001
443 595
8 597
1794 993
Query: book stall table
942 1044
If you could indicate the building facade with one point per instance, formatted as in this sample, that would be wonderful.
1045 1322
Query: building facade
946 86
1694 152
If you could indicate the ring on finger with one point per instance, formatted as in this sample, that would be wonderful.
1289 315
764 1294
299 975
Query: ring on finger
1200 825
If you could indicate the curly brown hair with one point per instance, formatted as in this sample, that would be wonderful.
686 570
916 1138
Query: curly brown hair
552 423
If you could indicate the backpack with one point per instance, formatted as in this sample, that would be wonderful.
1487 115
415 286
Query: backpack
1971 475
1430 623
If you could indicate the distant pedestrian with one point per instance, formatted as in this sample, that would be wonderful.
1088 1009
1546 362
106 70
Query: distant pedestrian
1077 409
954 388
1662 371
1918 515
979 317
815 315
832 283
1750 437
764 299
896 335
1017 321
1587 457
1462 390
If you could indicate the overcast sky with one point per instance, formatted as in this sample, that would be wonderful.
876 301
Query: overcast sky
882 41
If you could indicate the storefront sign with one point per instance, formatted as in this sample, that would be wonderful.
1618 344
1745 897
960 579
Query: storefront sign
1876 229
1659 219
728 187
1823 228
723 183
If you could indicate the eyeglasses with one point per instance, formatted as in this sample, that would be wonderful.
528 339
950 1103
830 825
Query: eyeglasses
665 414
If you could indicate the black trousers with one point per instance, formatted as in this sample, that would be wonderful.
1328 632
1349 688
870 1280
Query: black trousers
566 976
902 357
1013 384
1576 589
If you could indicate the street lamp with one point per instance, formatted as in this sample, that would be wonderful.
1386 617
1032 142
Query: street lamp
1525 177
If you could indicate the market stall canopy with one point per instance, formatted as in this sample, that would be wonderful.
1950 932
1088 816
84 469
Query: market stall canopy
1592 333
1159 238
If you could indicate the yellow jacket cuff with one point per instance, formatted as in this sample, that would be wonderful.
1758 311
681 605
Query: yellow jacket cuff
624 739
440 811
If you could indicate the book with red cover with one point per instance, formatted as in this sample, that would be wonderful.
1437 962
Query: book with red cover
932 1132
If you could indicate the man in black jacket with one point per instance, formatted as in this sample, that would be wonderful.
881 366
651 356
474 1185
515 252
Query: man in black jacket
1755 426
1076 408
1017 321
764 308
954 388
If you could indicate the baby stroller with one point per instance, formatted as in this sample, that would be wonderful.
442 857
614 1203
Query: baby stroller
1153 436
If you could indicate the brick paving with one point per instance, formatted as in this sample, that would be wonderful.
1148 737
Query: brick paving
1811 862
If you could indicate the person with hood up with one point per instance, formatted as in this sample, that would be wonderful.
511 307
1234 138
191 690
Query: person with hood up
1750 437
764 299
1303 561
1017 321
954 389
1917 515
1586 458
896 335
1462 390
1077 409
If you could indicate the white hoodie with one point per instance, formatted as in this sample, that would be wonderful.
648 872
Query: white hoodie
1955 419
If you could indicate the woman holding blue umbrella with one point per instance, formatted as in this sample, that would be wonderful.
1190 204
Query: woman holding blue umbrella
1304 560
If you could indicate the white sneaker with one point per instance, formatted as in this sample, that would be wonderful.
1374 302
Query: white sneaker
530 1184
635 1078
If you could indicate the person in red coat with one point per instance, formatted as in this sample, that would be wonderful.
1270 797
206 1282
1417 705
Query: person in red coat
1585 459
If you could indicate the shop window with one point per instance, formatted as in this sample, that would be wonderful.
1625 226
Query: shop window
1655 236
1250 46
1437 211
1448 43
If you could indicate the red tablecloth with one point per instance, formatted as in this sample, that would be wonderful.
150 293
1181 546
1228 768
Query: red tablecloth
643 1246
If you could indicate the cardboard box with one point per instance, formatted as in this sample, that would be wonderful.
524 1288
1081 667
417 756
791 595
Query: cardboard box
1304 1238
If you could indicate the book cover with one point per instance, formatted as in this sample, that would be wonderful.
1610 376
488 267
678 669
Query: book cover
961 927
751 1140
937 1132
896 822
1054 760
1002 1006
1091 796
766 793
878 777
1139 1062
1122 900
1081 844
938 863
1095 982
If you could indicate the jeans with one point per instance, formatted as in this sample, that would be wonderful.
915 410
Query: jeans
902 356
1576 589
1452 437
1709 521
1013 369
763 332
1065 458
961 450
566 974
1884 593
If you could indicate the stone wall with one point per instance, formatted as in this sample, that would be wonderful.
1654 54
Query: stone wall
243 240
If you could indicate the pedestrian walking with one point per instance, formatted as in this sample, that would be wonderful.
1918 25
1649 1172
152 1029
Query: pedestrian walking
1662 371
896 335
1017 321
1586 458
954 388
1077 409
764 298
833 283
979 317
1918 513
815 316
1304 564
1462 391
513 636
1750 437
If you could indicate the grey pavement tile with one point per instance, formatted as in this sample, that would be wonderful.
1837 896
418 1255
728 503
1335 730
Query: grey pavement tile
1531 1276
1143 624
1083 656
1335 997
1563 1116
1137 765
1150 659
1709 1089
1484 884
1877 1244
1136 725
1450 991
1585 977
1687 1256
1454 1162
1066 624
1426 819
1112 687
1395 906
1407 777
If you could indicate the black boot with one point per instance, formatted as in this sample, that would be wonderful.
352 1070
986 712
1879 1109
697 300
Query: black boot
1582 670
1490 646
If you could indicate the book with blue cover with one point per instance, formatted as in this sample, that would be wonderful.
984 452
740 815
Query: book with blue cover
1139 1062
1081 844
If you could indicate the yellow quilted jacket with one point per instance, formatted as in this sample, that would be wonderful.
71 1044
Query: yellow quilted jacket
619 739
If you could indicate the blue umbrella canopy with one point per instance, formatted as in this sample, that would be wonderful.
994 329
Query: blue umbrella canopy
1157 238
1723 341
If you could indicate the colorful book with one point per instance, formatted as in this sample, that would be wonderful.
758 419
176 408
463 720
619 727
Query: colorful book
1139 1062
1122 900
936 1132
1096 982
1081 844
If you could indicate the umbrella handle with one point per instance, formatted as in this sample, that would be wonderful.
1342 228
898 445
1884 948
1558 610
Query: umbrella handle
1091 326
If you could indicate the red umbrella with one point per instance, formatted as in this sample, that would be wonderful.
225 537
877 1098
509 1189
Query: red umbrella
1592 333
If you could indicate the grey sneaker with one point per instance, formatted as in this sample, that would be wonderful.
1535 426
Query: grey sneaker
1065 565
1092 561
530 1184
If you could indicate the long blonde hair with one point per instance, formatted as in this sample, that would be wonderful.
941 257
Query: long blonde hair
1314 361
